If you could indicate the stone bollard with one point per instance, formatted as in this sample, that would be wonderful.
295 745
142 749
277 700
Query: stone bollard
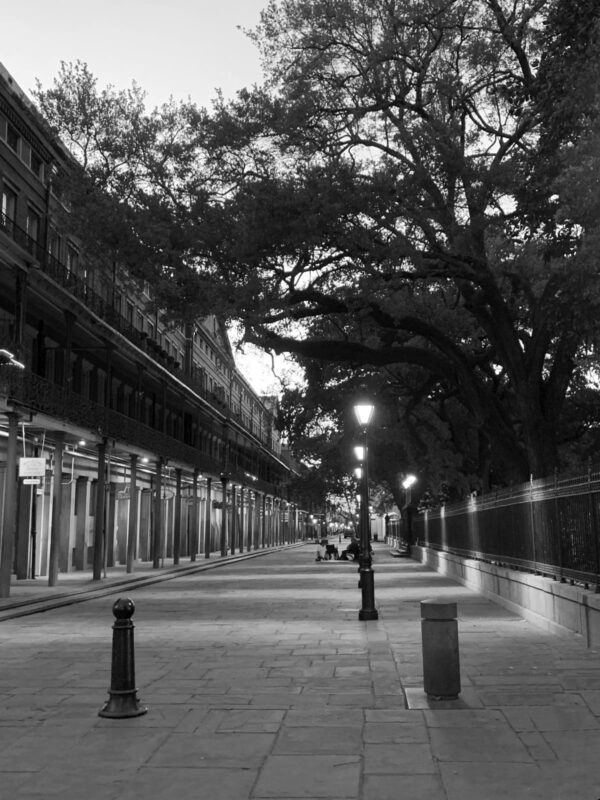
123 701
439 631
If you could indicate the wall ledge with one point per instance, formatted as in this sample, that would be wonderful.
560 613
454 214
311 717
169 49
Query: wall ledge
557 607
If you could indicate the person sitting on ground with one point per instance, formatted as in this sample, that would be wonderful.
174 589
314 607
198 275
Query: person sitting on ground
352 552
331 551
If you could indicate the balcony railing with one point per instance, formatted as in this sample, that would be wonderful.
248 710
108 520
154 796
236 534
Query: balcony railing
21 237
39 395
104 309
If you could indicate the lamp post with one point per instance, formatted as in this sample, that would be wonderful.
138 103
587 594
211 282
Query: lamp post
364 412
407 483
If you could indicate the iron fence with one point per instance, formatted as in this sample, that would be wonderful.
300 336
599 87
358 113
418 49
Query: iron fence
548 526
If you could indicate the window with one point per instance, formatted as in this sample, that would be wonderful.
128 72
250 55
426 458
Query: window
33 224
36 165
12 137
9 207
139 321
54 244
72 259
129 313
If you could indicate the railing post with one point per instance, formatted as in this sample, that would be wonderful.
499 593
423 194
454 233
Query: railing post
532 523
558 527
594 526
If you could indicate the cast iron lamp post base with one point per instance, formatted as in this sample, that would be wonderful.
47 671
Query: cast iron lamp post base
367 586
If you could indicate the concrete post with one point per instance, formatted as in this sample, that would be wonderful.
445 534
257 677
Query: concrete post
441 667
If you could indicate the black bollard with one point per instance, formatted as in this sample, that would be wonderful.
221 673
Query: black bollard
123 701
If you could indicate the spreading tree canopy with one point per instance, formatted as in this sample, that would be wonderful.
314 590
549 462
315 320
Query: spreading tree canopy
410 194
400 202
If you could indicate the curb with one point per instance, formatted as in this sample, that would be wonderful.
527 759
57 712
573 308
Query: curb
32 605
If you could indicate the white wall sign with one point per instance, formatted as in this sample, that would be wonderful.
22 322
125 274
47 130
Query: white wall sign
32 467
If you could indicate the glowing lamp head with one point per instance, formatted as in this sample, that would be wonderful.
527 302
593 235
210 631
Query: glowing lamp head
364 412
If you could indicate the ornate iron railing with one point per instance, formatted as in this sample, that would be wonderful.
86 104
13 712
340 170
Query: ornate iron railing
104 309
39 395
21 237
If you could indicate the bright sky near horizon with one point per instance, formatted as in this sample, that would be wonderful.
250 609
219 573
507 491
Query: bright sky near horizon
183 48
180 48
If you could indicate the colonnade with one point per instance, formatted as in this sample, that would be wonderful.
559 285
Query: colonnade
110 511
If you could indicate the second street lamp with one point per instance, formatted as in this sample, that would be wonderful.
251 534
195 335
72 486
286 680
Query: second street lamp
364 412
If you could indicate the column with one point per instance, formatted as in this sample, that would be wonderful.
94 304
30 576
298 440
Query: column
256 520
99 517
233 519
56 509
224 482
177 520
109 558
242 519
157 518
276 521
195 523
133 513
9 521
81 514
208 518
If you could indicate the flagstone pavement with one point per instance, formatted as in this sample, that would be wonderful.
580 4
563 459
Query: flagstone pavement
261 682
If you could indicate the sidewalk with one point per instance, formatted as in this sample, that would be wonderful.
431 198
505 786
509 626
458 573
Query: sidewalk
32 595
262 683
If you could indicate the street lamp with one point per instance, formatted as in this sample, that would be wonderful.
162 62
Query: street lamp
364 412
408 481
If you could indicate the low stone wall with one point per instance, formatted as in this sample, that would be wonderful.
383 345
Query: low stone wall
555 606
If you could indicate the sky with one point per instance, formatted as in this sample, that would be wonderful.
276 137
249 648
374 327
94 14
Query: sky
183 48
180 48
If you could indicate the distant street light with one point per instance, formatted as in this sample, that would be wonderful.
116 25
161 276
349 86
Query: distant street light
407 483
364 413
